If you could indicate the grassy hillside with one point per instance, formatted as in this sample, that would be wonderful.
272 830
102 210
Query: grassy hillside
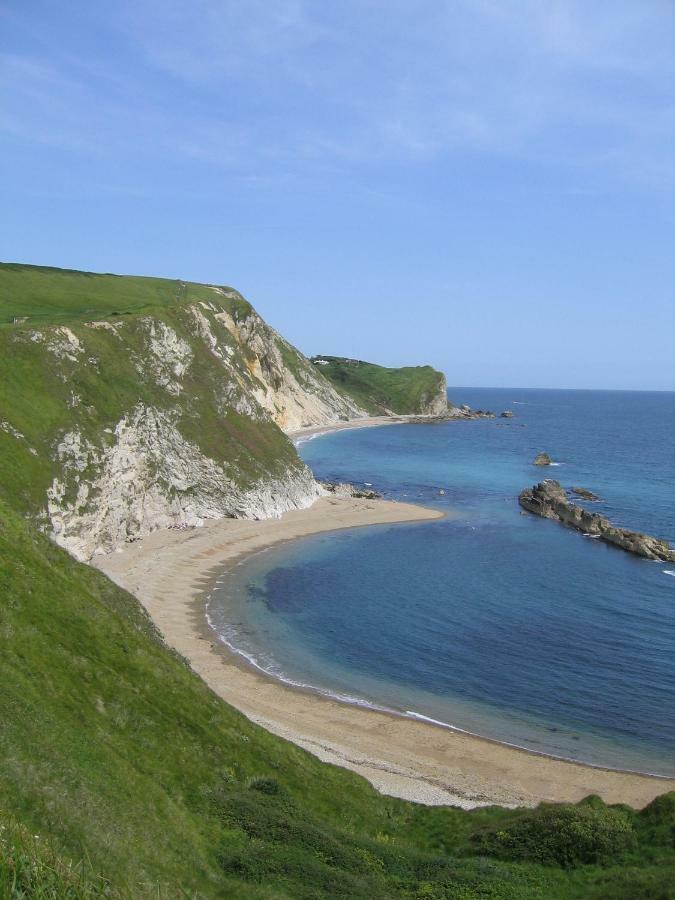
120 771
410 389
46 295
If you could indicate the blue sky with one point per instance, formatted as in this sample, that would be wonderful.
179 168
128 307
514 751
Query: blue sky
484 185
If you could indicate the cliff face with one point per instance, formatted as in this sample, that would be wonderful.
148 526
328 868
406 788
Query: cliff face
435 403
117 425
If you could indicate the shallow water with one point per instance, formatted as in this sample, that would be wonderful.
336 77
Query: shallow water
501 624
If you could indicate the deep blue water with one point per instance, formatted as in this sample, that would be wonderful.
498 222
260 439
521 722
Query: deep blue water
502 624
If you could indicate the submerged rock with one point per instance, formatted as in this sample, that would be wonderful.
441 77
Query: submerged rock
453 414
584 494
549 500
542 459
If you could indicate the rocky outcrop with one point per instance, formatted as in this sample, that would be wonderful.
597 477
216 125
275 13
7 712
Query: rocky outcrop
344 489
452 414
507 414
542 459
436 404
549 500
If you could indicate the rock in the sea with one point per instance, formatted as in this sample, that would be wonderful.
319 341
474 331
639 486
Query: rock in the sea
452 414
507 414
548 499
584 494
542 459
340 489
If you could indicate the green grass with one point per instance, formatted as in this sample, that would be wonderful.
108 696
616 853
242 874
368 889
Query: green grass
379 389
138 780
47 295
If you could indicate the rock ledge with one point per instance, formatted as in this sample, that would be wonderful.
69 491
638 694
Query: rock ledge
548 499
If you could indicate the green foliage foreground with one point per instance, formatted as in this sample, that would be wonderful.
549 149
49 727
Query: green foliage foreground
121 774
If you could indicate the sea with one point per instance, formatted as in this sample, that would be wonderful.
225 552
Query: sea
489 620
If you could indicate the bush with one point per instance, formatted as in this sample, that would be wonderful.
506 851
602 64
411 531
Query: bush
266 786
561 836
656 822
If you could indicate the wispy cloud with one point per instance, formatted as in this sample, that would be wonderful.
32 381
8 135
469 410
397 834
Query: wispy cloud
291 81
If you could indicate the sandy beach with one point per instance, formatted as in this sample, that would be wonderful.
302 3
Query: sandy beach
171 573
299 434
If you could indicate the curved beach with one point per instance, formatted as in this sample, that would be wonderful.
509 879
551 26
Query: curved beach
171 571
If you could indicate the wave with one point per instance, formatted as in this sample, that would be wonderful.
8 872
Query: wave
306 438
669 572
278 675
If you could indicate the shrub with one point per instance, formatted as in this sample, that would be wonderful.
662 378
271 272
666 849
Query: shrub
561 836
266 786
656 822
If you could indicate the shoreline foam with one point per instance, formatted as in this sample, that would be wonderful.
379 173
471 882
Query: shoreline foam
404 756
363 703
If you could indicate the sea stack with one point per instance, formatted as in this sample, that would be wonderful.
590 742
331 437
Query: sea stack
542 459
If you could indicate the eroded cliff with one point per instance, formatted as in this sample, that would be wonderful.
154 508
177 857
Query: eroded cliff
113 426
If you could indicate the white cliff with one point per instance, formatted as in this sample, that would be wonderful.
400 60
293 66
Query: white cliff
142 472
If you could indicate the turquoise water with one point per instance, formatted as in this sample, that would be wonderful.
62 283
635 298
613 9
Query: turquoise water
504 625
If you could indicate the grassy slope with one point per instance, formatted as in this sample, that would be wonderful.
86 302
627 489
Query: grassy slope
53 296
112 751
377 388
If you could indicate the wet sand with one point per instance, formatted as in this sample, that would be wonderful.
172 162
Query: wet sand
171 573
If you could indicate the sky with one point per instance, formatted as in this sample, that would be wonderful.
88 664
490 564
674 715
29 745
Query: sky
487 186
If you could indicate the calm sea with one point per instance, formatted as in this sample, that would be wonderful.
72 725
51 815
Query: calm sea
501 624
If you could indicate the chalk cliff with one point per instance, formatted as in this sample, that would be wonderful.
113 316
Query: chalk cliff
118 424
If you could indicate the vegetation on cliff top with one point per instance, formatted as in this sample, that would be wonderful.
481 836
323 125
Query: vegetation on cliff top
378 389
45 295
136 779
